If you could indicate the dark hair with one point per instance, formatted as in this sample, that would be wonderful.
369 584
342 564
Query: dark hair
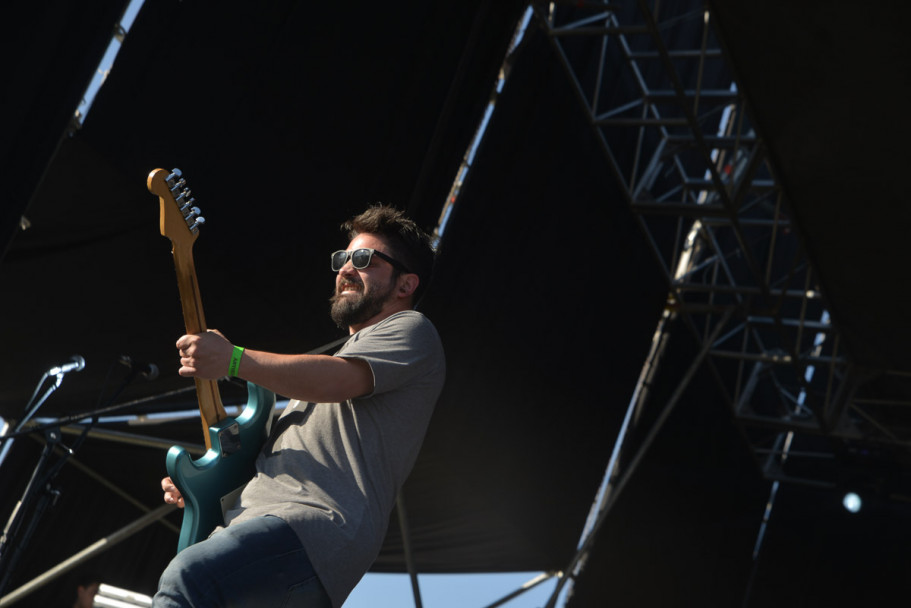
408 243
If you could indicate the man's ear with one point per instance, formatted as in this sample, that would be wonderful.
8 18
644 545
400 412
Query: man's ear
408 282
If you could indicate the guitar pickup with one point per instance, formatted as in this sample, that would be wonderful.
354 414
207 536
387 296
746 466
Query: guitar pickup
229 439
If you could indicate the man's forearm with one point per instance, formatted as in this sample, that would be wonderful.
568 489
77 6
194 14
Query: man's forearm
317 378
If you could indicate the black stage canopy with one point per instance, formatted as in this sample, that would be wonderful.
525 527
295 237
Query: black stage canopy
288 118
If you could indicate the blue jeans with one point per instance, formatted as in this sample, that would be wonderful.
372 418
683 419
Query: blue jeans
259 562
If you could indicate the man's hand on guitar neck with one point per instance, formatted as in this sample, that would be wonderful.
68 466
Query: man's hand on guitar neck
204 355
171 493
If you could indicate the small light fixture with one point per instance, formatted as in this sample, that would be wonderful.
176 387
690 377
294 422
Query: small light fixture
852 502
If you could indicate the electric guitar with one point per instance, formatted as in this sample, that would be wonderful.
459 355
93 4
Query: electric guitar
210 483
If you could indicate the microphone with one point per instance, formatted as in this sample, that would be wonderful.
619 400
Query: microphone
149 371
76 364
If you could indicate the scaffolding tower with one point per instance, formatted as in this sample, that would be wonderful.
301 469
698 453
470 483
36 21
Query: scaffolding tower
678 137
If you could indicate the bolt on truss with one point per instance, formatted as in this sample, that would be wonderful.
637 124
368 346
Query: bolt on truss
678 138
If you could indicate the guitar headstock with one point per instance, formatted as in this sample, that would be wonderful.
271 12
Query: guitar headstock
180 220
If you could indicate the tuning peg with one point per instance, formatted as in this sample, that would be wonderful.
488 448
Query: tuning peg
180 184
187 207
194 228
191 215
172 178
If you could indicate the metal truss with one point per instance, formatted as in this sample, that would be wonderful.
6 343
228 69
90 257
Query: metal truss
677 136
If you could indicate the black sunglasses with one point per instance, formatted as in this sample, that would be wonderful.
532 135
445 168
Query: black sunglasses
360 259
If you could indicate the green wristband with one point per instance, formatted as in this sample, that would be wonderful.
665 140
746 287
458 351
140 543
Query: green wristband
234 365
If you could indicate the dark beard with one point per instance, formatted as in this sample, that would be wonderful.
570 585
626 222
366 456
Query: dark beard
347 311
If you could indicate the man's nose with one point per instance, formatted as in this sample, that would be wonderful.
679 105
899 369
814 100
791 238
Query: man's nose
348 269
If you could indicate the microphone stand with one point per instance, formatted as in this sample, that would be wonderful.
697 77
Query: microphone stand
40 494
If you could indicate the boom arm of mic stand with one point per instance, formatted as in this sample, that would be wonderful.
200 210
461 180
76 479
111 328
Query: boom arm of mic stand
30 409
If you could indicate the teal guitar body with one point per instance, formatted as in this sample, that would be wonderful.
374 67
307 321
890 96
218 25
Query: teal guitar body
206 483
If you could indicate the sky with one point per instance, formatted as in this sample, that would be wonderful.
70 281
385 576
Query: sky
394 591
449 591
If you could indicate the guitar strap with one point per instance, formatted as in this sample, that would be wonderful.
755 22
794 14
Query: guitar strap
329 346
301 414
284 423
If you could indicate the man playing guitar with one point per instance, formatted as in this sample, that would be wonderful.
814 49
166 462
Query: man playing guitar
313 518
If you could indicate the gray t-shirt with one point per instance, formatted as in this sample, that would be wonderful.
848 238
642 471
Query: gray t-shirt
332 470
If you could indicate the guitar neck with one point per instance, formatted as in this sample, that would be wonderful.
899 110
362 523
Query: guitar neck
179 221
210 406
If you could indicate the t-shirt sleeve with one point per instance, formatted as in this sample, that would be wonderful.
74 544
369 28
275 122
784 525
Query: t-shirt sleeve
399 350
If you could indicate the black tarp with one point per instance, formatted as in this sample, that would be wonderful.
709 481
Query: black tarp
287 119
